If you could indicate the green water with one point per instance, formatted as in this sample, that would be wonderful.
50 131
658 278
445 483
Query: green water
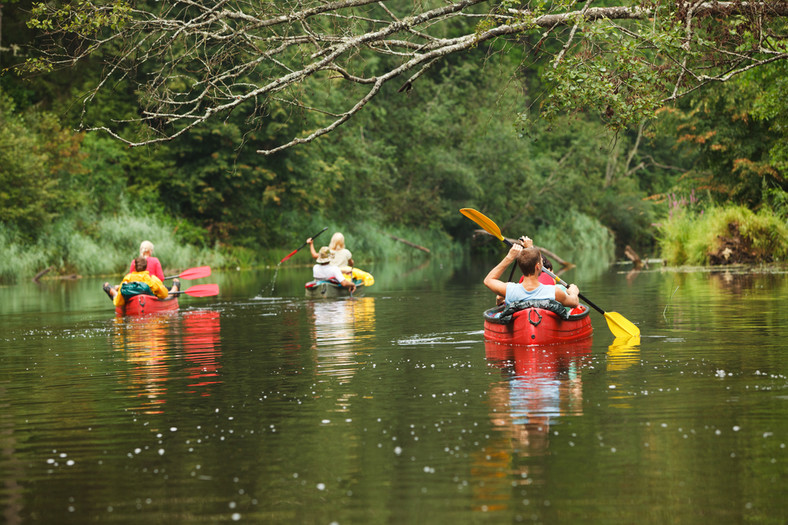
259 406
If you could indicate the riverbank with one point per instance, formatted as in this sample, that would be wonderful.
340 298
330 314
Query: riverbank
720 236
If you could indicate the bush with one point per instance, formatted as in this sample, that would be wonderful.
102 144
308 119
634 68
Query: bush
696 239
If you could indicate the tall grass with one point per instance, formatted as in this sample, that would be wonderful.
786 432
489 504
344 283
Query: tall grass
17 259
580 235
688 238
370 242
99 246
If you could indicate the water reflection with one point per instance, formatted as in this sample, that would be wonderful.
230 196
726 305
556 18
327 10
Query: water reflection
542 384
201 345
151 346
337 326
623 352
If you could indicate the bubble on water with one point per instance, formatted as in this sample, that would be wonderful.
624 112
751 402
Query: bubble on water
235 516
720 373
321 486
398 450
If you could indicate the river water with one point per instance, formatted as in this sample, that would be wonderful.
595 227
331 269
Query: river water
260 406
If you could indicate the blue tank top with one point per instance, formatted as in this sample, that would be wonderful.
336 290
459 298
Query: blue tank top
515 292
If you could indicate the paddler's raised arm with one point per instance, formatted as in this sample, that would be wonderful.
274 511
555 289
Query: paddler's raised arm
493 279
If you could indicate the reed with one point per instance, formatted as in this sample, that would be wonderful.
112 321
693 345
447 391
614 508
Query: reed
86 245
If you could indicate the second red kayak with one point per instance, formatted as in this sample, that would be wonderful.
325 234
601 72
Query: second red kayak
537 323
147 304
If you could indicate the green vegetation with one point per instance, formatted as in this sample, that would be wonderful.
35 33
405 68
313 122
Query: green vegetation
467 134
694 238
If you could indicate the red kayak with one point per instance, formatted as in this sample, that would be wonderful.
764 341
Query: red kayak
536 323
147 304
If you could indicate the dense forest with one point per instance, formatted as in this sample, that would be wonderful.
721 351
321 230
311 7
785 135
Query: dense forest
515 127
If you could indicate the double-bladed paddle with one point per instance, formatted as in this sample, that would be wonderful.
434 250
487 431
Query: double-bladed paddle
193 273
618 324
200 290
296 250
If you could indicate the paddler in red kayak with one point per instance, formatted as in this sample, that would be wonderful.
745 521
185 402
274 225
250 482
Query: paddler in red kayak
154 266
529 259
139 282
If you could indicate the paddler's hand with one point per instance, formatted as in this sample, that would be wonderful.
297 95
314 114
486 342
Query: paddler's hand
527 241
573 289
513 251
309 240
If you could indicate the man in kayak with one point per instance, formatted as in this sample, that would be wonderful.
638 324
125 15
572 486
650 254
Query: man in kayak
530 261
139 282
324 271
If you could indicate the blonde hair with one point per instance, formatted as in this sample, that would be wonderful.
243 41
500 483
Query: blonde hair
337 242
146 247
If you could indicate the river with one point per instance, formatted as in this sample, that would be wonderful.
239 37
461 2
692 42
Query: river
260 406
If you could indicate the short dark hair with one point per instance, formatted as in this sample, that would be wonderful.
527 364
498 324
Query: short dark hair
528 258
546 263
141 263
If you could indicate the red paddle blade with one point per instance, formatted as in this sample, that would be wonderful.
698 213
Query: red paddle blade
289 255
196 273
203 290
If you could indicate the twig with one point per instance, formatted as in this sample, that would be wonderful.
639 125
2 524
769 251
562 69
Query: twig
422 248
666 306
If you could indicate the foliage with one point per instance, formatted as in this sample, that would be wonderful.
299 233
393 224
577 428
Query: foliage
767 87
99 245
575 230
18 258
462 130
37 157
689 238
188 63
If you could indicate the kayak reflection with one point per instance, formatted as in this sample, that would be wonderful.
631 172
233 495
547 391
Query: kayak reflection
542 384
156 346
338 329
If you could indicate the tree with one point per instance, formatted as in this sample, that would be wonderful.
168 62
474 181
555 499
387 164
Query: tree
196 60
37 159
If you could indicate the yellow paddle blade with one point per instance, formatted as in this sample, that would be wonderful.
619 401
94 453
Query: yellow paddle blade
483 221
621 326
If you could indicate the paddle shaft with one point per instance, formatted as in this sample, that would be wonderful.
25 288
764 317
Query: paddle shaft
296 250
583 297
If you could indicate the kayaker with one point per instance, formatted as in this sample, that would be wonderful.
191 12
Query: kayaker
154 266
530 261
543 277
138 282
324 271
340 256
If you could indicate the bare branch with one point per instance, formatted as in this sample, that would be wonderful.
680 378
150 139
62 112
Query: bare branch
191 60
